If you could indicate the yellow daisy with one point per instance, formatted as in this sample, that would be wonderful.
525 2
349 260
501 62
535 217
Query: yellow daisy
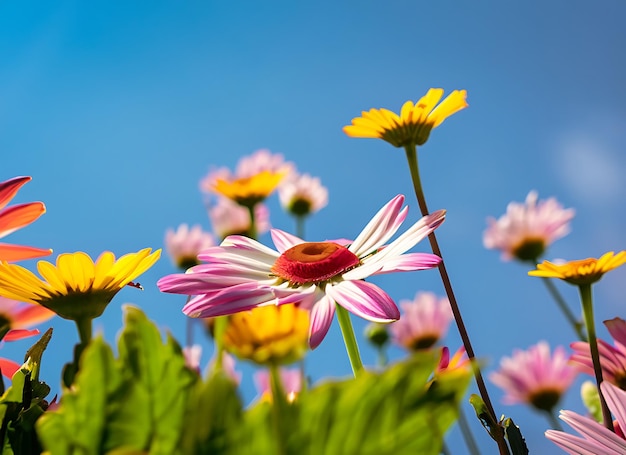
415 122
249 191
76 288
584 271
269 335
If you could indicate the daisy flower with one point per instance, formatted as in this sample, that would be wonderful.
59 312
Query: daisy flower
594 438
302 195
255 178
229 218
581 272
526 230
184 244
535 376
612 358
242 274
268 335
415 122
16 217
77 288
425 321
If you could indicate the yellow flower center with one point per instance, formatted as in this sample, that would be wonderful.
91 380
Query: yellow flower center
314 262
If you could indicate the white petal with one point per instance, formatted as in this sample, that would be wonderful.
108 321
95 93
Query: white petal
283 240
380 228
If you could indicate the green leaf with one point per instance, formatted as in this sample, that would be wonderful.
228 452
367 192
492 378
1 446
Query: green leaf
132 405
401 410
213 416
516 440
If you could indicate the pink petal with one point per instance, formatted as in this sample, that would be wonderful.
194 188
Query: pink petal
231 300
18 216
365 300
322 315
617 329
283 240
616 400
381 227
9 188
29 315
405 263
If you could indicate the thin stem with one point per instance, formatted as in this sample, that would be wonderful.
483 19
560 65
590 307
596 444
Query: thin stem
411 155
554 421
189 327
252 233
576 324
343 316
466 431
587 302
279 405
300 226
221 322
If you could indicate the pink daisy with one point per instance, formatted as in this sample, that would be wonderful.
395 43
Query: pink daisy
302 195
535 376
425 321
612 358
596 439
184 244
229 218
242 274
526 230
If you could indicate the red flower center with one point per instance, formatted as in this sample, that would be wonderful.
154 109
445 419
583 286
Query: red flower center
313 262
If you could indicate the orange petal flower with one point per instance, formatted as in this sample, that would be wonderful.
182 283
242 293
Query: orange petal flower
584 271
415 122
16 217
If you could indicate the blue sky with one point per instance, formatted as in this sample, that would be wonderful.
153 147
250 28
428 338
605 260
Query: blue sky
118 109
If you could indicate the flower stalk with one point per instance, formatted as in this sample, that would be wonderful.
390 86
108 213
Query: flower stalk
586 300
411 155
350 340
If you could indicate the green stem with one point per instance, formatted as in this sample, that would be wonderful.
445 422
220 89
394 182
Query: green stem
569 315
252 233
411 155
84 331
221 323
300 226
587 303
554 421
279 407
466 431
343 316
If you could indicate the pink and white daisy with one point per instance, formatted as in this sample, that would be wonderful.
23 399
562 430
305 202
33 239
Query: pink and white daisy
535 376
596 438
302 195
184 244
612 358
425 321
526 230
242 274
229 218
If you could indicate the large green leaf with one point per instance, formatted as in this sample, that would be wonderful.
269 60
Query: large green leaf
132 405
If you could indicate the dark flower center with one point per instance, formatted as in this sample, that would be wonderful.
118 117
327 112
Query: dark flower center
314 262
